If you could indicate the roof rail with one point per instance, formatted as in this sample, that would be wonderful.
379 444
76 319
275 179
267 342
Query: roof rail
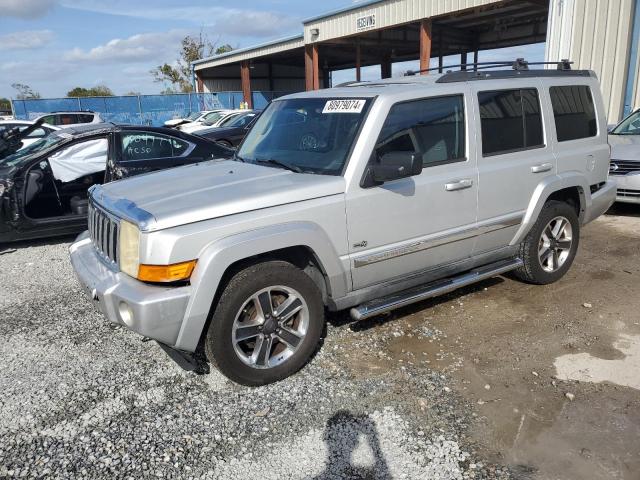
520 64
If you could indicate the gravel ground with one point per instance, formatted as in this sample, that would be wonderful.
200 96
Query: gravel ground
82 398
463 386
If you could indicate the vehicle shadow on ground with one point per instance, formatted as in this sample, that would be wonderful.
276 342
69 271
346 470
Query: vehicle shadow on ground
624 210
339 319
6 248
344 433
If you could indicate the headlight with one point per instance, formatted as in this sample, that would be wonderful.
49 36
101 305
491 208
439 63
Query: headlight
129 246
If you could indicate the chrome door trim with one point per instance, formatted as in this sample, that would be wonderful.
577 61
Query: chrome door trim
419 245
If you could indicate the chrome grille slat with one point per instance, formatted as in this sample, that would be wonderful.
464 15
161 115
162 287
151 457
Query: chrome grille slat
103 231
622 167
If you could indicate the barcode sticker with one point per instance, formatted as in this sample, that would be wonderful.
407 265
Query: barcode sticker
344 106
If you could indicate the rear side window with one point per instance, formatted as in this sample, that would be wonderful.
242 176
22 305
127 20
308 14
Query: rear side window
66 119
85 118
510 120
432 128
574 112
150 145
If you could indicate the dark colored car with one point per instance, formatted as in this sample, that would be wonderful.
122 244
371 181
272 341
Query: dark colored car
43 187
232 132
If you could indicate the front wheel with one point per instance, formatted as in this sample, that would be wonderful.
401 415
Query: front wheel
266 325
551 245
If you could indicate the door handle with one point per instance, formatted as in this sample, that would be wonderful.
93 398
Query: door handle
545 167
459 185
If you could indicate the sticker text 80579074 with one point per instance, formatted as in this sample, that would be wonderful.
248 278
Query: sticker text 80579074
347 105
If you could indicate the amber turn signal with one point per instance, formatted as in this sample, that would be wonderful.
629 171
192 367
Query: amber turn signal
166 273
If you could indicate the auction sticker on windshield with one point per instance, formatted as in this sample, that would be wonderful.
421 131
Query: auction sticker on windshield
344 106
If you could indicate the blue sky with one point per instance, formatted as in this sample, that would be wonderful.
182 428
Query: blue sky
55 45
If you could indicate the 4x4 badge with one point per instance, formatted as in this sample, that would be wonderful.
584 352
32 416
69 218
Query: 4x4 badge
361 244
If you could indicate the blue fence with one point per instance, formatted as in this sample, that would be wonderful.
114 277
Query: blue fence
140 109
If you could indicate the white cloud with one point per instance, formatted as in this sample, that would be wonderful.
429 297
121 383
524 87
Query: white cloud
25 40
222 20
143 47
25 8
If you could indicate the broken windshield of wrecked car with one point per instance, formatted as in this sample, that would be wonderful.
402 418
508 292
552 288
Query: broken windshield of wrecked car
43 144
314 135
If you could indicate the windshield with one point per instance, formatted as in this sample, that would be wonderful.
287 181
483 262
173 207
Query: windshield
629 126
32 149
194 116
314 135
240 120
211 118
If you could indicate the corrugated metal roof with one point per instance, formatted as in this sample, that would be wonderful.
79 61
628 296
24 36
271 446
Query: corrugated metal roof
355 6
272 46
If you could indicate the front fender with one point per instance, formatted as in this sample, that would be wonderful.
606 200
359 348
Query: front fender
217 257
544 190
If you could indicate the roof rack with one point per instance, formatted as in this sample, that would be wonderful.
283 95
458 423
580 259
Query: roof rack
519 65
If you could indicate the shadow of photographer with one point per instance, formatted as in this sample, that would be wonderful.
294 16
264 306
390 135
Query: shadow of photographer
344 433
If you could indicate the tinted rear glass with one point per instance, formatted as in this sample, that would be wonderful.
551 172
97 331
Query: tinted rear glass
574 112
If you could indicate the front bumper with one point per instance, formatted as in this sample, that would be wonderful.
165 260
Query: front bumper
601 201
628 187
153 311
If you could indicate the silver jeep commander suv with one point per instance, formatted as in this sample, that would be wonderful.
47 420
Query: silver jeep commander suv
367 197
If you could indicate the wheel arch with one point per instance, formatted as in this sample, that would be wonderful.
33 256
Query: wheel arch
570 187
303 244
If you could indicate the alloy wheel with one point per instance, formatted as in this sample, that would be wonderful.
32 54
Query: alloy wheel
555 244
270 326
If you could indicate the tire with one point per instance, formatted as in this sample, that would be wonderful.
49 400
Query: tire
243 311
547 258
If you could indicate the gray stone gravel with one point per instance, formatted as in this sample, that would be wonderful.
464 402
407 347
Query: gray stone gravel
82 398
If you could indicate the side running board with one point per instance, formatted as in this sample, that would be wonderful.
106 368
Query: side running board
433 289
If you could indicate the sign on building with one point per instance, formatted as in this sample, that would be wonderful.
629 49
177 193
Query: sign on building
366 22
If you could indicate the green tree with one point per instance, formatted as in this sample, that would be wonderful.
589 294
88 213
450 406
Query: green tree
97 91
177 76
5 105
25 92
223 49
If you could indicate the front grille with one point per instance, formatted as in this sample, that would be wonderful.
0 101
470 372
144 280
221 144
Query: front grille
624 192
622 167
103 231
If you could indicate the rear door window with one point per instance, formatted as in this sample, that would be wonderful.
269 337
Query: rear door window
510 120
574 112
66 119
151 145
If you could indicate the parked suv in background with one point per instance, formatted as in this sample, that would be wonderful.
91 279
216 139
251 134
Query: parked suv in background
68 119
625 158
367 197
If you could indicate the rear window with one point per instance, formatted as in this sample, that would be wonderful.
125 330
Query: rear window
510 120
574 112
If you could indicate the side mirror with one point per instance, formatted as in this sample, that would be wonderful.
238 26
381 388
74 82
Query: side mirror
395 165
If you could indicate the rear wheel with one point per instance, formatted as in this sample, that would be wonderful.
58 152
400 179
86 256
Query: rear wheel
551 245
266 325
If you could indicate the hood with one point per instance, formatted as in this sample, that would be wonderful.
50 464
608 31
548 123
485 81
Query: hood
625 147
209 190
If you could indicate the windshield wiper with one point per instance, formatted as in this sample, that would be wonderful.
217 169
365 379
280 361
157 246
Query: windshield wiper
273 161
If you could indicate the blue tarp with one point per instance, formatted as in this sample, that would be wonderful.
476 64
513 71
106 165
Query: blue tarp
140 109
